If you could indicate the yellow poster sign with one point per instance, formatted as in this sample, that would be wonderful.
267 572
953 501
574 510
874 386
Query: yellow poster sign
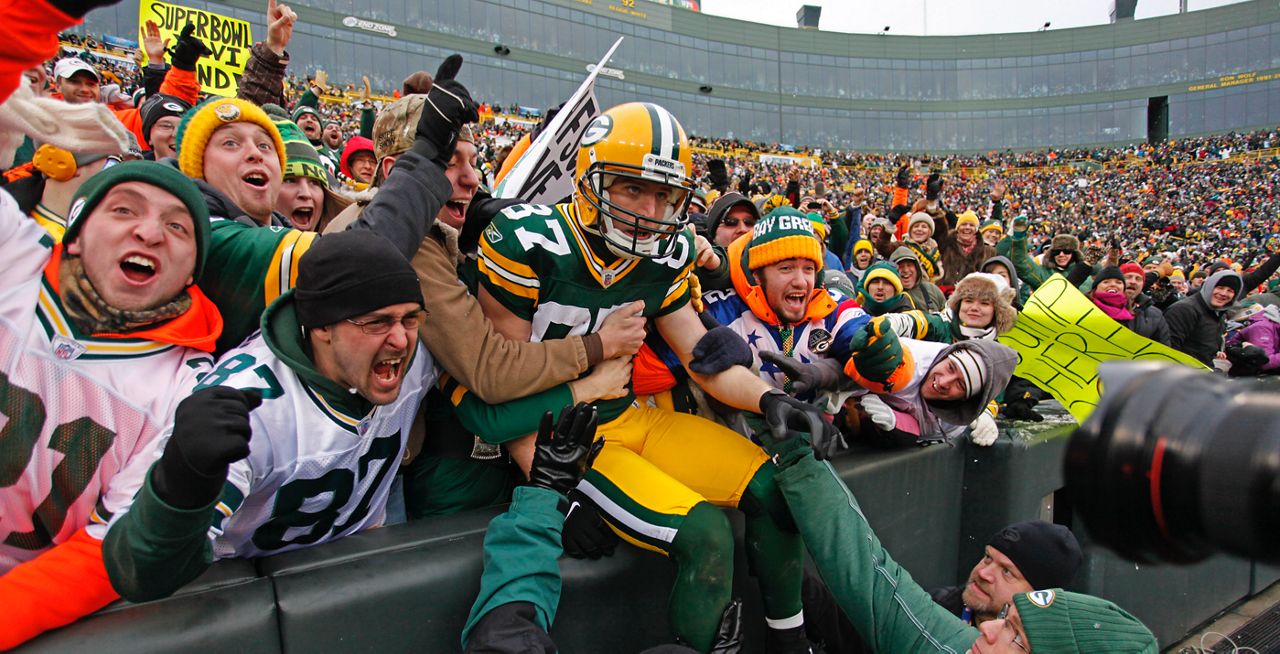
229 38
1061 337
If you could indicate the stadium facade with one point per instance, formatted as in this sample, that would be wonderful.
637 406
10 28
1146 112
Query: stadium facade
1203 72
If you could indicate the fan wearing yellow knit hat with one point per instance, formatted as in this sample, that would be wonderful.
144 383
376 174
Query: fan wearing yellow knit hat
962 251
234 152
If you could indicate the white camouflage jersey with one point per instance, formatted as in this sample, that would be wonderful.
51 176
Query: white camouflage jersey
313 473
75 409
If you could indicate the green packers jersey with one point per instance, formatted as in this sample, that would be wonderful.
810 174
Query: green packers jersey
537 262
252 266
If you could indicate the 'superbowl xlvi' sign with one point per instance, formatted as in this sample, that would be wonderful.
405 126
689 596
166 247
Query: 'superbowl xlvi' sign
360 23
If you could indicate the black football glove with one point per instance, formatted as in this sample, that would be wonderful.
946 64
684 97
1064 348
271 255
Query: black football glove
562 454
585 534
784 414
823 374
448 107
210 432
718 350
188 50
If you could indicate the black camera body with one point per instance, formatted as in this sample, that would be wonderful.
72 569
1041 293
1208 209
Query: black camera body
1175 463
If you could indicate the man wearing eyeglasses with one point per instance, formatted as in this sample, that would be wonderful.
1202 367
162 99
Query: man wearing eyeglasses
895 614
295 437
730 216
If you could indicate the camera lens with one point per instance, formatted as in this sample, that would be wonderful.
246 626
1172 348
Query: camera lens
1175 463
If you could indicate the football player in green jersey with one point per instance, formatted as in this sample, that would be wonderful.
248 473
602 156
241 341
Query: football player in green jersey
553 271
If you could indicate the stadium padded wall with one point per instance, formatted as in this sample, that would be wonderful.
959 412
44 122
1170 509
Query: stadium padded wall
409 587
1077 86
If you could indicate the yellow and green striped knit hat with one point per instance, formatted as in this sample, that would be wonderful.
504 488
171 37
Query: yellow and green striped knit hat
301 158
783 233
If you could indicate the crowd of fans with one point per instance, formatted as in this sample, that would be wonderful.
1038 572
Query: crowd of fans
309 261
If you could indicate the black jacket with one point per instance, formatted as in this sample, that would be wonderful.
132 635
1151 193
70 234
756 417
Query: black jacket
1148 321
1195 327
950 597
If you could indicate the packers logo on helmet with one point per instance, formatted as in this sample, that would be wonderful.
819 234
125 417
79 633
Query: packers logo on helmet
632 181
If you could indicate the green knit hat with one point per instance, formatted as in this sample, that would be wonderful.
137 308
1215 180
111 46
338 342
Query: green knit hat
304 109
783 233
302 159
164 178
988 225
881 270
1059 621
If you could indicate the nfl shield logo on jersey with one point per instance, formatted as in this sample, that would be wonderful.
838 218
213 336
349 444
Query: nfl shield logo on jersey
67 349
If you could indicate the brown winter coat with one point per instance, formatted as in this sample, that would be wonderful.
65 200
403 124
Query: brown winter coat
956 264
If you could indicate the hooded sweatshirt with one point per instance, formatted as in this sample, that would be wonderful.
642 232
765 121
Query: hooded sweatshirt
1195 326
925 294
934 420
1020 291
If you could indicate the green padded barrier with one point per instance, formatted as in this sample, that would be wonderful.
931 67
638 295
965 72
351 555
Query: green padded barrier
1005 483
1263 576
913 500
1170 600
227 609
407 587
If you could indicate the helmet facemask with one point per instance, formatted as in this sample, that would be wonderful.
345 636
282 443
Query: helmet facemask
627 233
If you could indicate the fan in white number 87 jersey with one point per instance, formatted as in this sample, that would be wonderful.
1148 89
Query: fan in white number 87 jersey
340 379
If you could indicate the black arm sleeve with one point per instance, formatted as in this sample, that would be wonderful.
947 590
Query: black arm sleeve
1262 273
510 628
152 78
407 203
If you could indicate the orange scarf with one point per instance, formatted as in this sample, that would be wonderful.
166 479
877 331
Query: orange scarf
198 327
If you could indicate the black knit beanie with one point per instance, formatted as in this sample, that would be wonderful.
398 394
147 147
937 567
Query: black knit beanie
158 106
1046 554
352 273
1109 272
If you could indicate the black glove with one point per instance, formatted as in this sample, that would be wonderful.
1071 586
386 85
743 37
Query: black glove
448 107
210 432
744 184
933 187
903 178
585 534
562 455
783 414
78 8
823 374
718 175
188 50
718 350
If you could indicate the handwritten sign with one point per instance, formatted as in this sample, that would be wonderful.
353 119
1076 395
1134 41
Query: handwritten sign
229 38
1061 337
544 173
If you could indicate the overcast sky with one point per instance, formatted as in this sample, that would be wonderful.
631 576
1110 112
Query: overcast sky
943 16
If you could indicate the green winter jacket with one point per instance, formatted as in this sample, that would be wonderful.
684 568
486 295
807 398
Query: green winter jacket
880 598
521 549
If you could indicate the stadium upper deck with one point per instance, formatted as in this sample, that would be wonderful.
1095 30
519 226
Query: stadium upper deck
1219 69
